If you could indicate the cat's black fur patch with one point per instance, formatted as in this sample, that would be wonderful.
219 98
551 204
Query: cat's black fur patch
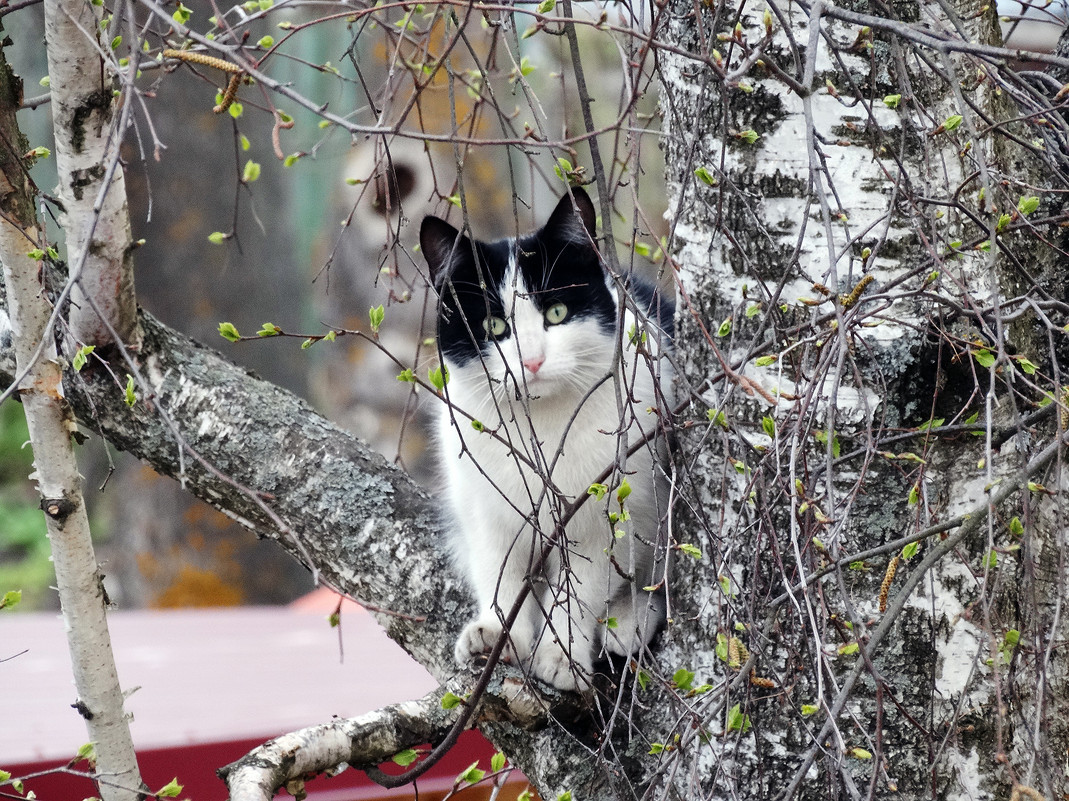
557 264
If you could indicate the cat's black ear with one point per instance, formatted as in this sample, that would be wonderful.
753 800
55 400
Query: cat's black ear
574 218
441 244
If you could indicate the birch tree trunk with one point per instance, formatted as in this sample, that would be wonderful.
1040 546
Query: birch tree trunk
51 426
92 189
852 228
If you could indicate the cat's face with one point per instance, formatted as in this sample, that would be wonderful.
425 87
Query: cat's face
531 317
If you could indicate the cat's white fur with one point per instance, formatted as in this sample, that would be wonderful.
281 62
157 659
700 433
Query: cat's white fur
555 423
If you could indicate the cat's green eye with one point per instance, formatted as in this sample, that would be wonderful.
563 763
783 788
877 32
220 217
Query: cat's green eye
556 313
495 326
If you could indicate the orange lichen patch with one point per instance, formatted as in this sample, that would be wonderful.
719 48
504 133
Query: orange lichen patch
194 587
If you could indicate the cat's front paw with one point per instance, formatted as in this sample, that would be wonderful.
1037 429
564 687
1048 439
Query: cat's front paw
478 639
554 666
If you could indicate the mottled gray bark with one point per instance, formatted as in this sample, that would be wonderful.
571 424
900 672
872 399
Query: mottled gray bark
859 248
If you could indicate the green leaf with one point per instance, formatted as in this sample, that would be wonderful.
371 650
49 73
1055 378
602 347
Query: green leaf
438 376
706 177
217 237
291 159
182 15
953 122
41 152
82 356
266 42
909 550
991 561
251 172
1026 365
859 753
116 42
611 623
170 790
472 774
623 492
376 314
245 143
228 331
810 709
724 329
269 330
1016 527
765 361
546 6
822 438
1003 221
892 101
753 310
691 550
406 375
11 599
236 110
36 254
406 757
451 701
565 796
1027 205
87 752
769 426
749 136
4 775
497 762
683 679
46 82
738 721
936 423
643 679
849 648
984 358
477 425
129 395
914 495
656 748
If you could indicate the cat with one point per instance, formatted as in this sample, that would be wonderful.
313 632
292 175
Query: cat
529 330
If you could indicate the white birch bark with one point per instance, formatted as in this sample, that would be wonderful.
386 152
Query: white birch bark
51 424
842 187
92 188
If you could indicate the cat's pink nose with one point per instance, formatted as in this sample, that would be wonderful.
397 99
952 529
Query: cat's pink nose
534 363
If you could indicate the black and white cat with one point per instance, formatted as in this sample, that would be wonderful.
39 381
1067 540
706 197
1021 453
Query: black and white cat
549 383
